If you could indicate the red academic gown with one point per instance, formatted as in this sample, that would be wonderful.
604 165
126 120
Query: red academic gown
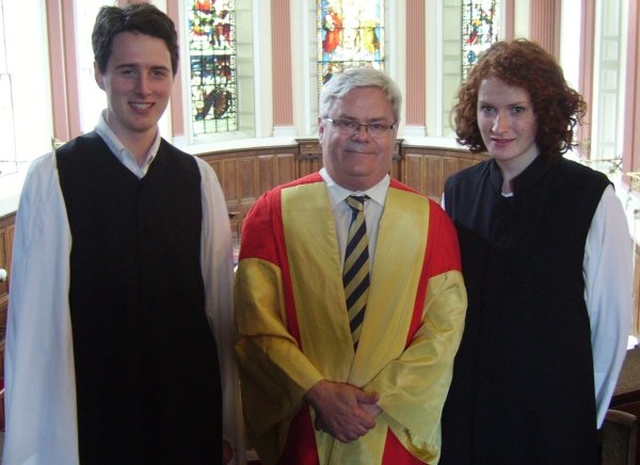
293 329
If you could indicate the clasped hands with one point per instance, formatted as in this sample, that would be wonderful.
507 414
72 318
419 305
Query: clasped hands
343 410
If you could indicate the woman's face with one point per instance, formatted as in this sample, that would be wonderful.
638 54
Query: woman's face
507 124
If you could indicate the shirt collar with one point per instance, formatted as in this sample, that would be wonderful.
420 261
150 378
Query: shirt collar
337 193
118 148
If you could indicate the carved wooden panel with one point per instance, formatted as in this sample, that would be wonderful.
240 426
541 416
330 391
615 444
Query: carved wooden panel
412 171
309 157
275 169
433 176
246 174
426 169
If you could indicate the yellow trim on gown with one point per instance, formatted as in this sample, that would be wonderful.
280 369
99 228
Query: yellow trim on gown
412 381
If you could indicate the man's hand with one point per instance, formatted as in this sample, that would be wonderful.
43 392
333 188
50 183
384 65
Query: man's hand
342 410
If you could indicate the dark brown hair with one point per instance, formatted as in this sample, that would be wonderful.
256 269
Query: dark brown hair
524 64
139 18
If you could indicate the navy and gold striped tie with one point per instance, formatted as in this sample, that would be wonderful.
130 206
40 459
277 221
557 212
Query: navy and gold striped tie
355 275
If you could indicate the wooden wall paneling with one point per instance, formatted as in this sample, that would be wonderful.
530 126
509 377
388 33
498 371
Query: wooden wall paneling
396 163
215 164
266 172
7 229
396 169
411 170
427 168
285 167
452 165
279 167
244 175
309 156
308 165
228 184
433 176
247 172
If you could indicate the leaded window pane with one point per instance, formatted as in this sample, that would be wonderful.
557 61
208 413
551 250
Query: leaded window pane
350 34
480 28
212 64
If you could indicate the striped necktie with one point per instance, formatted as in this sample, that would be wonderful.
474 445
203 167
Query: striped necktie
355 274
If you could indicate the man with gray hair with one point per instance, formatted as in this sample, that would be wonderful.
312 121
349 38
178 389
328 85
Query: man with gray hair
349 298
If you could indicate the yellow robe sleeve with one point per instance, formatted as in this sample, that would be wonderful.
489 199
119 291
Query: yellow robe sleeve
276 372
411 374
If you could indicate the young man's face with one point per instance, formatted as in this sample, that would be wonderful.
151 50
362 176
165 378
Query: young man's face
137 81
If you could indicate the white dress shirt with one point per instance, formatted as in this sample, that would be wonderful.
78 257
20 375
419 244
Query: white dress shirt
373 209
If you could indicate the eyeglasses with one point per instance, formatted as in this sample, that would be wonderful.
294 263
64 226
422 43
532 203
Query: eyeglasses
346 126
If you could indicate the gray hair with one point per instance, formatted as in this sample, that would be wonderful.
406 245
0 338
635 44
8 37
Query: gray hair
340 85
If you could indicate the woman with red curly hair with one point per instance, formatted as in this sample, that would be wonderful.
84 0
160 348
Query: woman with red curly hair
546 258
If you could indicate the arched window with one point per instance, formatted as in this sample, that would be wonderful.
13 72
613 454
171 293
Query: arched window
213 79
350 34
480 28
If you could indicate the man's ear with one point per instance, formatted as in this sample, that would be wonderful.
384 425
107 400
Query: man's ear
98 76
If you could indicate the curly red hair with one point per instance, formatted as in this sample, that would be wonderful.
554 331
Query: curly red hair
524 64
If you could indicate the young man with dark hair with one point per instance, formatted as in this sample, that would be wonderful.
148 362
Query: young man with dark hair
121 307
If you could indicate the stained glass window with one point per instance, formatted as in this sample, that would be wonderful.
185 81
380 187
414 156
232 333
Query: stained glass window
212 60
480 27
350 34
